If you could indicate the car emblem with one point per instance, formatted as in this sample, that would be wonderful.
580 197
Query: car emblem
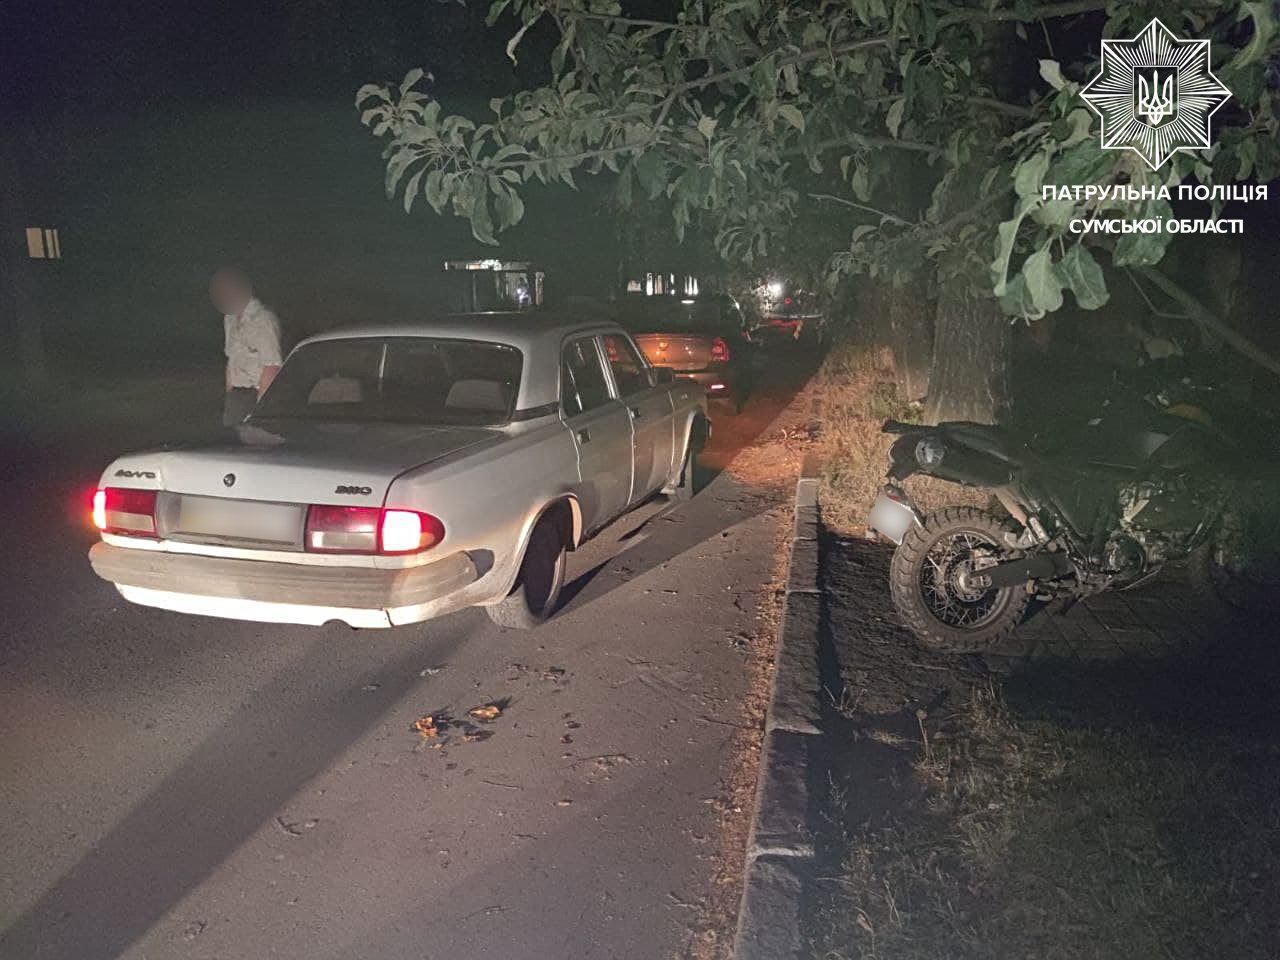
229 480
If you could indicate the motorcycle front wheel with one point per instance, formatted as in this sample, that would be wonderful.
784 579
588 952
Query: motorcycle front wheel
935 580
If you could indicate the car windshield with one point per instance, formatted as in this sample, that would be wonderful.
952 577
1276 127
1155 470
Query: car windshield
396 380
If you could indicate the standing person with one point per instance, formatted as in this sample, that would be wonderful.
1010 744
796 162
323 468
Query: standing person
251 341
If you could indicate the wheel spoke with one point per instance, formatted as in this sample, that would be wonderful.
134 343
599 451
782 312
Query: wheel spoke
945 584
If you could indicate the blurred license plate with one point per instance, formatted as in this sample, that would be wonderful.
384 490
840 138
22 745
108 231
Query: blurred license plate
239 519
891 518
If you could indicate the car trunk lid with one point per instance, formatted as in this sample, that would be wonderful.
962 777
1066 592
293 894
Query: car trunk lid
680 351
255 493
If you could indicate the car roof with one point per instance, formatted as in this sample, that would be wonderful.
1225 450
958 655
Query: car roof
526 331
537 335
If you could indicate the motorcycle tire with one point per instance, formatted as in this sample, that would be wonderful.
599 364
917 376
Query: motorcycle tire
926 580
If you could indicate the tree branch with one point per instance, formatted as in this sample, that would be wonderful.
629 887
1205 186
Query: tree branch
882 214
1207 318
633 21
1047 12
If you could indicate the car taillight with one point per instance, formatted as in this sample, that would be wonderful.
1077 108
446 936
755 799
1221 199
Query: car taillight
408 531
130 513
370 530
719 349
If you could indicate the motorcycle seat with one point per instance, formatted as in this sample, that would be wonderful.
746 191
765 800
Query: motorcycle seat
993 441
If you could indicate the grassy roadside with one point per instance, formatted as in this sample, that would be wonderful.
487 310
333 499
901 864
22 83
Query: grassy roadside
858 395
1075 808
1058 833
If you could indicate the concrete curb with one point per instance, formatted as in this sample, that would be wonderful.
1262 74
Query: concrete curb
780 843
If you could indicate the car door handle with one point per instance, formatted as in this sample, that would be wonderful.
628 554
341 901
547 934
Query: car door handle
584 435
635 413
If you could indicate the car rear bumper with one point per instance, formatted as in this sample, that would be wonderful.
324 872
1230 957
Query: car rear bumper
717 383
283 592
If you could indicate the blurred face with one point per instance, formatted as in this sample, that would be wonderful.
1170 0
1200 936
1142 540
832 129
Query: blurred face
229 293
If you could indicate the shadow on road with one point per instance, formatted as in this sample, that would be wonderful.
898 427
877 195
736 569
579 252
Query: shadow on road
231 785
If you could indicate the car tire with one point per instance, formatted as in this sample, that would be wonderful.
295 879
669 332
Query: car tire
541 578
690 482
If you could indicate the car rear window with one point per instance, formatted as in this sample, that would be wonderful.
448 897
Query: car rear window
396 380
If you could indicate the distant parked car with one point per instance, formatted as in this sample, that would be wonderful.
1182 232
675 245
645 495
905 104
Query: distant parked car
393 474
703 339
788 316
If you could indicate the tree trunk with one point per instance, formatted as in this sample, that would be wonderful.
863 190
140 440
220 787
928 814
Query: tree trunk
969 378
911 337
898 323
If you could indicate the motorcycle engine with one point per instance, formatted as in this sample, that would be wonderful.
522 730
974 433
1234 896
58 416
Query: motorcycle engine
1159 517
1124 556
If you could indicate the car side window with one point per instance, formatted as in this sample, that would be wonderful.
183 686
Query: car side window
629 370
582 382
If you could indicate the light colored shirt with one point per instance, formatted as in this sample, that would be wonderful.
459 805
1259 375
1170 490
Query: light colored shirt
251 342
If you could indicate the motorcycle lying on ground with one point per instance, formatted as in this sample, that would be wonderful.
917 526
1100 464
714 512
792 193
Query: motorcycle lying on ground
1100 516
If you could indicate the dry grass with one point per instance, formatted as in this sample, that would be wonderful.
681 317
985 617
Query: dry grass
1068 840
858 394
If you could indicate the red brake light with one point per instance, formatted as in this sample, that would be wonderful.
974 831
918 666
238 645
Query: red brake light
719 349
130 513
369 530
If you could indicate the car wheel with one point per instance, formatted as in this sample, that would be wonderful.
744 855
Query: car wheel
537 591
690 481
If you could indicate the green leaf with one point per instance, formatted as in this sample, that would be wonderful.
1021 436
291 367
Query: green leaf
1051 71
481 221
410 78
1016 300
791 113
861 184
1081 274
396 167
411 190
1264 28
1081 164
372 90
651 173
511 50
1042 281
1054 213
893 119
1029 174
507 206
1006 234
435 191
707 126
495 11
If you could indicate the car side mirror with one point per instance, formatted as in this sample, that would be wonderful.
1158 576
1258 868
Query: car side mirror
663 375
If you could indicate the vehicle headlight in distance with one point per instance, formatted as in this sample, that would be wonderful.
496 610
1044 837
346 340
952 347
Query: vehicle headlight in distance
929 453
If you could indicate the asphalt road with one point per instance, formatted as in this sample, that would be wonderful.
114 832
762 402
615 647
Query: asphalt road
173 786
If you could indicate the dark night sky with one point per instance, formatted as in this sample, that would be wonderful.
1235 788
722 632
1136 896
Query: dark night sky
78 55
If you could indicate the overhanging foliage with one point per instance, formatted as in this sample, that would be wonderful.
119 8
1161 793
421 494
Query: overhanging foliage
749 116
